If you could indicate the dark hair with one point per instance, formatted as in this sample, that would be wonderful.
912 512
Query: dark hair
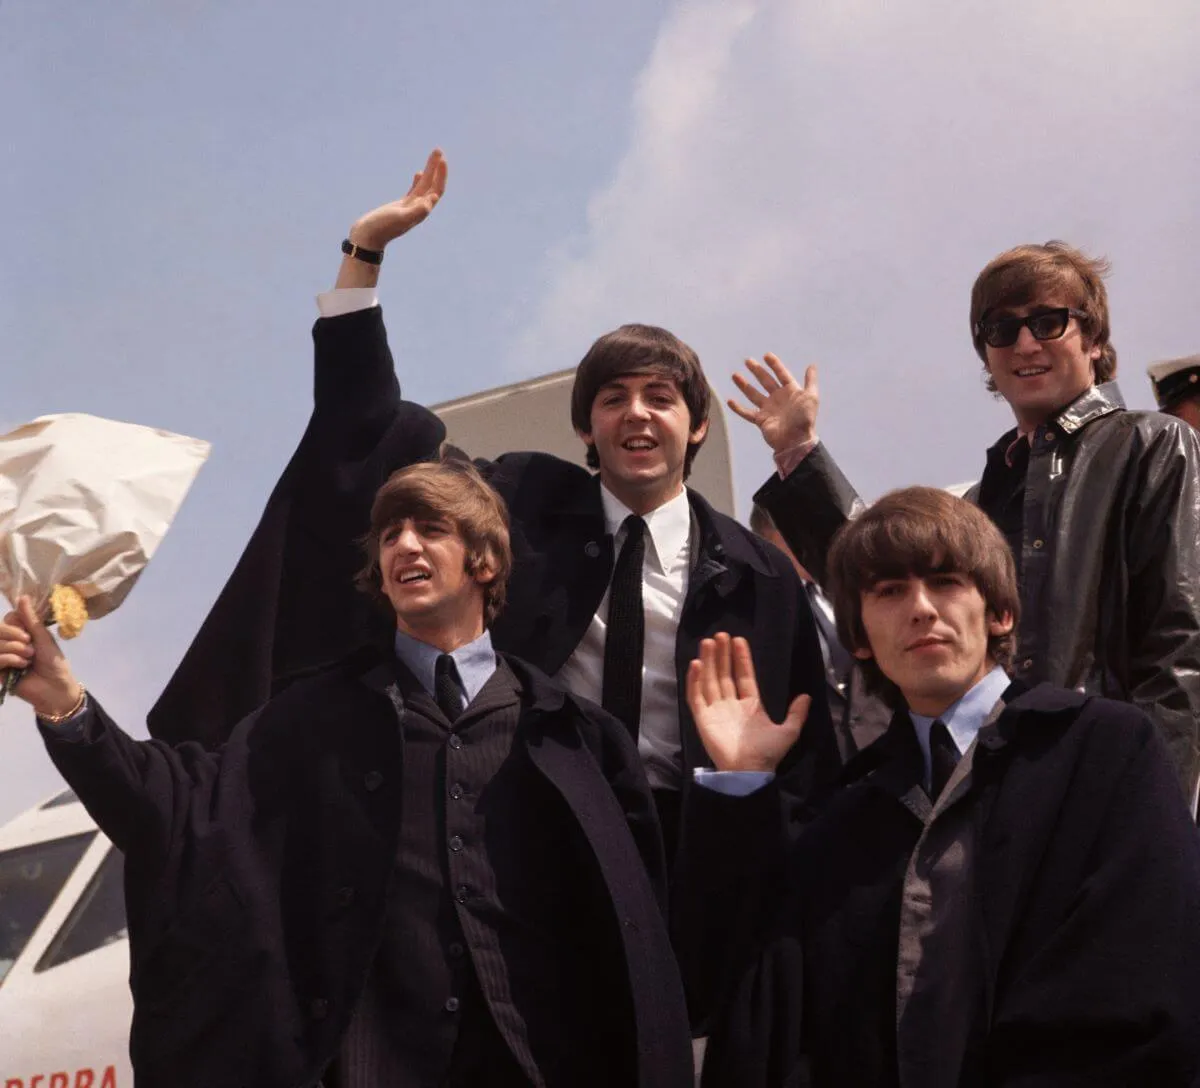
1026 274
455 491
920 531
640 349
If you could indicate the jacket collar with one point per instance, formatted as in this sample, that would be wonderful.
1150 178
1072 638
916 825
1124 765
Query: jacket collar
1092 404
721 539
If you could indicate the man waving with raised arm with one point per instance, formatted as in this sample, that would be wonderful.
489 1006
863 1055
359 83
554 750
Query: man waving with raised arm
617 574
1100 505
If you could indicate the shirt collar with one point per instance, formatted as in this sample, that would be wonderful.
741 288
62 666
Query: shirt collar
476 661
668 525
966 716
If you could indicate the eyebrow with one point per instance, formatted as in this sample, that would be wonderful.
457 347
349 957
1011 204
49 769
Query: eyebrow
655 382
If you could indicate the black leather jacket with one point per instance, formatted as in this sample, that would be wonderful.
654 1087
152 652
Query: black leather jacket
1109 560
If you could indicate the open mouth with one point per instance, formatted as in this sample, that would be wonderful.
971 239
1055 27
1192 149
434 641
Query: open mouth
413 576
1031 371
639 445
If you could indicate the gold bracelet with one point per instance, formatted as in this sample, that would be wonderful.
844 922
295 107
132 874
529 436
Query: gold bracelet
58 719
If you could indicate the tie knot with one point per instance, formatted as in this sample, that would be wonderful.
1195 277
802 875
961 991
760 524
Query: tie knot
634 526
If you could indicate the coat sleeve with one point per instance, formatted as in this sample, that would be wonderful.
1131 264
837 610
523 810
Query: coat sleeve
290 605
140 793
1163 562
726 873
1107 994
809 506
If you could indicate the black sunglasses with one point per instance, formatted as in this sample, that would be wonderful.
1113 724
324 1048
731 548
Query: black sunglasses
1002 332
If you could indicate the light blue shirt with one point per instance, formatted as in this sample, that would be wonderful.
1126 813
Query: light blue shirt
962 718
476 661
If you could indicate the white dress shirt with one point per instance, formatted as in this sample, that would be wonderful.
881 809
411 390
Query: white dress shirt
664 586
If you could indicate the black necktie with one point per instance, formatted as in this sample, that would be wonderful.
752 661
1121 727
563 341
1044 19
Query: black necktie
625 636
446 688
943 758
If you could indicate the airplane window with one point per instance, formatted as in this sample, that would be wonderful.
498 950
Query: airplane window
97 919
30 879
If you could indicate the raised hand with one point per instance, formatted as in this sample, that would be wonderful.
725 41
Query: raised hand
723 695
780 407
387 222
48 686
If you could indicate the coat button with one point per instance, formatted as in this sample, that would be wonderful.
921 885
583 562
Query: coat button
456 792
451 1004
592 550
345 896
456 949
456 843
318 1008
1039 543
463 894
1027 664
455 741
372 780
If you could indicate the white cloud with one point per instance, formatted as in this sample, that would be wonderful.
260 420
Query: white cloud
825 180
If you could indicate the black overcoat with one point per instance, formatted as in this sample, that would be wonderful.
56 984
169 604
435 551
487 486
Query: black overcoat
308 613
1086 898
257 877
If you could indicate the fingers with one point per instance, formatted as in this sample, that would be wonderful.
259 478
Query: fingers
745 413
725 667
753 395
781 372
810 382
710 684
746 683
692 687
765 378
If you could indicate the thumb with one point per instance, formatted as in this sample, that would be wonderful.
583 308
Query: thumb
43 641
797 714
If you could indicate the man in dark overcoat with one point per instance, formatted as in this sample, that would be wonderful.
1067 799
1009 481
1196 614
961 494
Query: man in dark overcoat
1100 504
640 404
433 868
1006 890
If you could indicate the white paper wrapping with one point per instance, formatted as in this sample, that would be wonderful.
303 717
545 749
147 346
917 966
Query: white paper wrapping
84 502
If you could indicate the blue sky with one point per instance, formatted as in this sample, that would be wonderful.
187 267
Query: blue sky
822 180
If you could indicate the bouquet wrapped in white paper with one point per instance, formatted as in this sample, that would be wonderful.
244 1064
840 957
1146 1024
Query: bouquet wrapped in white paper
84 503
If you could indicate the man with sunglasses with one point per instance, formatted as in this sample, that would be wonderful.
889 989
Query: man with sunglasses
1100 505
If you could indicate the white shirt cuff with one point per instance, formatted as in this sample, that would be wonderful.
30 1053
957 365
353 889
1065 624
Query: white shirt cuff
731 783
346 300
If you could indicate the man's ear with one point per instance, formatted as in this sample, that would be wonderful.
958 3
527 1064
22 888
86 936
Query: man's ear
1000 625
863 654
484 569
585 437
697 436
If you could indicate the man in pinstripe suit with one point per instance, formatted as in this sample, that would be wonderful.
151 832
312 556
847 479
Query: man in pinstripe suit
431 869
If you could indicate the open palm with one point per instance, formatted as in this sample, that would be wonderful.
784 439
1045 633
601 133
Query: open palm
737 732
387 222
783 410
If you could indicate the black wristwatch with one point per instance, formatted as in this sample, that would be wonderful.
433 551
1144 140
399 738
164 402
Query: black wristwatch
368 256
